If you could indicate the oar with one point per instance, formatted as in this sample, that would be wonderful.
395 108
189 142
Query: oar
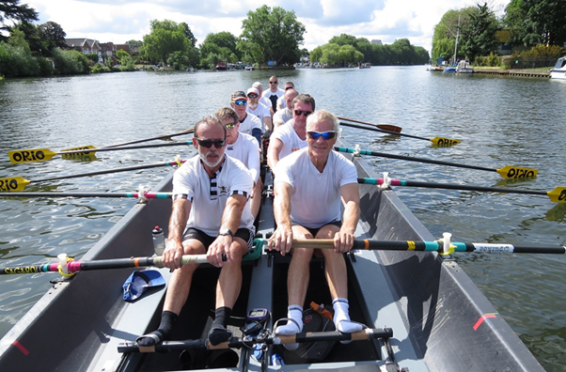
144 195
558 195
434 246
387 127
203 344
163 136
506 172
438 141
33 155
73 266
18 183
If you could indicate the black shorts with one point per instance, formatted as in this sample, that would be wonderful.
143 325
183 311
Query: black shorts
206 240
315 231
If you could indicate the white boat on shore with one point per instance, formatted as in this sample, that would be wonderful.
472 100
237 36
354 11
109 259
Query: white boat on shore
464 67
559 69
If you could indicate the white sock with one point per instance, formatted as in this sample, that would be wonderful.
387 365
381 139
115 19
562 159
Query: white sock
342 317
294 312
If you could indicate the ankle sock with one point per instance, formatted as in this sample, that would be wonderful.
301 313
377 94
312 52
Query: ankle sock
292 327
218 333
342 317
168 320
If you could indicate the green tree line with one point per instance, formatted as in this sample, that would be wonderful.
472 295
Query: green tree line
533 27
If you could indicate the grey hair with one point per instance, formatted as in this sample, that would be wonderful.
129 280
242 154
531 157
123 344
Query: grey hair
209 120
257 84
324 115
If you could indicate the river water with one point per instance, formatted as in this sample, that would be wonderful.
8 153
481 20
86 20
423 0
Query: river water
501 121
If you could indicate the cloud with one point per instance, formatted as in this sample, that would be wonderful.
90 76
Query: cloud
340 13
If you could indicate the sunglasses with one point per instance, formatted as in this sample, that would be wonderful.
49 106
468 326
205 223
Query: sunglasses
230 126
325 135
252 95
305 113
206 143
287 88
273 82
240 102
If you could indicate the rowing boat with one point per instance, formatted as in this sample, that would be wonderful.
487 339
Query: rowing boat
440 321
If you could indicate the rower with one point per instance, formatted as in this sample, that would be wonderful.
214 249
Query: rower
308 187
210 197
249 123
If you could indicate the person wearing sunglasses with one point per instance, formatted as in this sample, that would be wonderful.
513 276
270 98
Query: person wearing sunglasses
293 135
273 93
281 102
259 109
284 115
210 199
309 186
243 147
249 123
267 103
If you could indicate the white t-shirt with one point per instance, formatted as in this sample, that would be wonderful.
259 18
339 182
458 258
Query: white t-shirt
291 141
316 196
266 102
246 150
261 111
209 196
272 97
281 103
283 116
250 122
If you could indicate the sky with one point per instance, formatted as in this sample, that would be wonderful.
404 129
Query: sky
118 21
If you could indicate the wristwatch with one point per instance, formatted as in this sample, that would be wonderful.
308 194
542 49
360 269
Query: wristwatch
226 231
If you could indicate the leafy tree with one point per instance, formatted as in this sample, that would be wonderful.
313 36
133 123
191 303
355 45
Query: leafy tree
479 35
70 62
534 22
32 36
12 10
165 38
343 39
188 33
445 32
272 35
53 34
222 45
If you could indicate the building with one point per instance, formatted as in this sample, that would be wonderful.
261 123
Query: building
86 46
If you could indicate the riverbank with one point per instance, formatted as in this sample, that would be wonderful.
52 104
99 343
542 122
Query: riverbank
535 73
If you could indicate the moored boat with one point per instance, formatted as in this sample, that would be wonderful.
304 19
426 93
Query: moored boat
464 67
559 69
439 318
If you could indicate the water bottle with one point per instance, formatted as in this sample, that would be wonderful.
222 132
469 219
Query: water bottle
158 241
277 360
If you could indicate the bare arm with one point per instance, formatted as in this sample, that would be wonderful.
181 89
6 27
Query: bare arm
344 239
282 239
267 122
177 223
275 147
231 220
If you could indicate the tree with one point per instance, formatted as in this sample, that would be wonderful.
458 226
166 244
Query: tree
53 34
223 45
166 37
534 22
12 10
479 35
272 35
444 38
188 33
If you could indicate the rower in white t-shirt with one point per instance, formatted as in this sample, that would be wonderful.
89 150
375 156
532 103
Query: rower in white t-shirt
285 114
259 109
273 93
249 123
309 186
244 148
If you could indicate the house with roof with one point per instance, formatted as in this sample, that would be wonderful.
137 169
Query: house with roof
83 45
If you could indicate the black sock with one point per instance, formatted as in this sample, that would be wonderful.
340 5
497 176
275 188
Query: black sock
218 333
168 319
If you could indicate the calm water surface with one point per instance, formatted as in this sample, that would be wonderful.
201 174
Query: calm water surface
501 122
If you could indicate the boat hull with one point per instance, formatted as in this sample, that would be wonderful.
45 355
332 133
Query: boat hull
440 319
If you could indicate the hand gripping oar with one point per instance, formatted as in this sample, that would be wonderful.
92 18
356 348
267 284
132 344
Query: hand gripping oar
203 344
33 155
438 141
387 127
434 246
18 183
558 195
67 267
506 172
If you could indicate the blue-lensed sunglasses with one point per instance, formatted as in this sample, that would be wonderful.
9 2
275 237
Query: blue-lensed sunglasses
240 102
325 135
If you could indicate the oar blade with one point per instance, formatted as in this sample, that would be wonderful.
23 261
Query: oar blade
558 195
83 156
30 156
509 171
389 127
444 142
13 184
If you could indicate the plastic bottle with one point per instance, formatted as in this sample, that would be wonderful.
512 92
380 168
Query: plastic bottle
158 240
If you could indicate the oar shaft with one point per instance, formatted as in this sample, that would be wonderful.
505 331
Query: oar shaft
163 136
382 130
408 158
428 246
127 148
448 186
149 195
387 127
